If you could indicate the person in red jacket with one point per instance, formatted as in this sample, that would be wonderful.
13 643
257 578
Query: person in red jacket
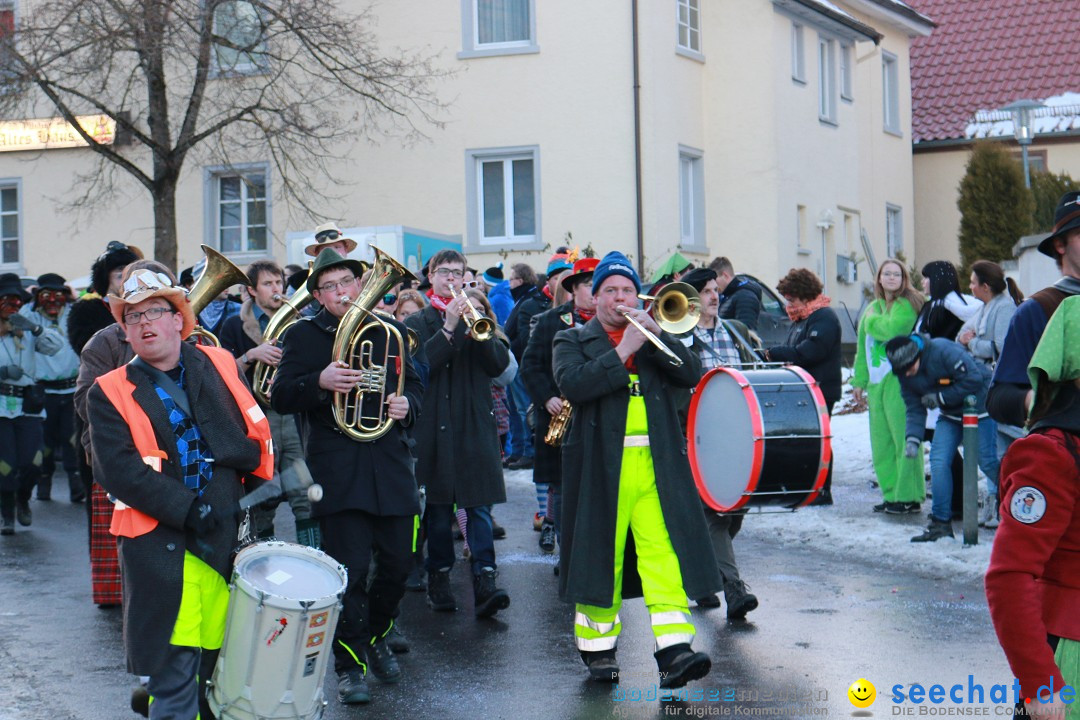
1033 583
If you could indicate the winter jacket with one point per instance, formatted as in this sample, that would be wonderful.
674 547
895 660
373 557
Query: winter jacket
741 300
990 325
944 318
501 302
520 323
814 345
590 375
107 350
947 371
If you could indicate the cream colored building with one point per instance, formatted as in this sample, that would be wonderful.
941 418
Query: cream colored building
775 132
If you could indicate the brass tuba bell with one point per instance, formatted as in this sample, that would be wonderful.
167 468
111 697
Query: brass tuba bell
282 320
220 273
355 346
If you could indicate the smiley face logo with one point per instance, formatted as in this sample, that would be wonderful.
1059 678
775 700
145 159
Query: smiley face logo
862 693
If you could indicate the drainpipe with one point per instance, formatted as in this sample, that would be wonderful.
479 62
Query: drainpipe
637 142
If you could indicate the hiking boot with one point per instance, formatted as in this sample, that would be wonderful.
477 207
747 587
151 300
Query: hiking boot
679 665
547 537
396 640
23 514
989 512
739 600
382 663
935 531
709 602
488 598
352 687
439 595
602 665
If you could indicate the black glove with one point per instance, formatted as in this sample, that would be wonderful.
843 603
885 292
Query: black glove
21 322
912 448
202 519
930 401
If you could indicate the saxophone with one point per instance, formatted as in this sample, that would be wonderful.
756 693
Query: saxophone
557 428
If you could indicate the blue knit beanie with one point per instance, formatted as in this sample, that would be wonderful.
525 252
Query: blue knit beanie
614 263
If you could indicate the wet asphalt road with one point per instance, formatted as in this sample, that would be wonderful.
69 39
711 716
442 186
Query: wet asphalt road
824 622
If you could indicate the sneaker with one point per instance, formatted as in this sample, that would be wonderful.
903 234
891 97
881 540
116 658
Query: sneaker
602 665
739 600
709 602
7 526
488 598
880 507
382 663
396 640
510 460
547 538
523 463
439 596
989 511
538 521
498 532
679 665
935 531
903 508
352 687
23 514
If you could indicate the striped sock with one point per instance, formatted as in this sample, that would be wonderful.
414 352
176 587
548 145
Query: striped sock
542 498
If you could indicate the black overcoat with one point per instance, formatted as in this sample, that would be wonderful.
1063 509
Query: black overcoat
457 440
153 564
591 376
377 476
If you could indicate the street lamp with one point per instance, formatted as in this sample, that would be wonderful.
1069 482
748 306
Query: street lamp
1021 112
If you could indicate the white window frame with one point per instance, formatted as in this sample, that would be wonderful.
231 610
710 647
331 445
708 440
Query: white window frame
212 216
684 8
847 83
475 241
16 266
894 230
798 53
471 47
692 200
890 93
826 63
256 59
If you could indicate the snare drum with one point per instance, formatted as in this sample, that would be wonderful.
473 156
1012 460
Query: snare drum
283 608
759 438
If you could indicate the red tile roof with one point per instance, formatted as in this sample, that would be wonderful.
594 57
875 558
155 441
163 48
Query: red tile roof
984 54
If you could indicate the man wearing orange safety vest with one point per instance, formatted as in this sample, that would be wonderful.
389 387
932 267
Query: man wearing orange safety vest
177 441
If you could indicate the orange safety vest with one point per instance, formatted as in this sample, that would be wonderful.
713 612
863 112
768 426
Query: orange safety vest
129 522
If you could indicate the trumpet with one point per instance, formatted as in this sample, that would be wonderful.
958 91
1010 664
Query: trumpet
482 328
675 359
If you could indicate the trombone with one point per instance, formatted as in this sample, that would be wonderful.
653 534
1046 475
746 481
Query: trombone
676 309
482 328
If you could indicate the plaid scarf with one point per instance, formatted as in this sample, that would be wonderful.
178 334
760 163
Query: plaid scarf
821 301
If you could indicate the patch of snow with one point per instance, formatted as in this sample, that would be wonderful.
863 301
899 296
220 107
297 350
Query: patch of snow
1061 114
833 8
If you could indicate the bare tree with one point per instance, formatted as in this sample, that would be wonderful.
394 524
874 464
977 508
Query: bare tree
234 80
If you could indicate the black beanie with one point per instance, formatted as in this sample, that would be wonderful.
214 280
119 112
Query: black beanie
107 262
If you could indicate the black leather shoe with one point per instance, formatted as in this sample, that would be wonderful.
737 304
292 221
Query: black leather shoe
352 687
498 532
488 598
709 601
7 526
396 640
679 665
140 701
438 592
382 663
602 665
415 581
739 600
23 514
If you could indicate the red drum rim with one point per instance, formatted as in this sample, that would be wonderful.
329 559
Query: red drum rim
826 433
758 429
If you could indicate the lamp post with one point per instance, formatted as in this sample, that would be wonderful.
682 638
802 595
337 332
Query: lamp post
1021 112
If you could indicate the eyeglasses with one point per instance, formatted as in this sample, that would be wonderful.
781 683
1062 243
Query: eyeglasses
447 272
332 286
389 299
150 314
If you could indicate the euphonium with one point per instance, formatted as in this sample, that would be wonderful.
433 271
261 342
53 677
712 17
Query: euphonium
482 328
282 319
559 424
218 275
354 346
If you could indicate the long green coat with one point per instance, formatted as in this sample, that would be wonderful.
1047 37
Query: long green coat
591 376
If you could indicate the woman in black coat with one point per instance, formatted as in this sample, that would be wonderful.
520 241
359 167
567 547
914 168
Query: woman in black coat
948 308
813 342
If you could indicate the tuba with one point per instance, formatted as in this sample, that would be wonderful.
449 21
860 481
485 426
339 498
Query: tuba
218 275
281 321
356 344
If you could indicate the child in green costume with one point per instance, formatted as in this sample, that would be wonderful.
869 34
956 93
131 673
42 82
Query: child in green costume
892 313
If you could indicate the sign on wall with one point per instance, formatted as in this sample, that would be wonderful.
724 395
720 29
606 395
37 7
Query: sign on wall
55 133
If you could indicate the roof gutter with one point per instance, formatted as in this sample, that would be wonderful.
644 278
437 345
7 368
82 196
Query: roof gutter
813 11
638 191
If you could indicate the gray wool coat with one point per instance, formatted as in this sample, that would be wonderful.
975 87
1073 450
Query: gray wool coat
457 439
153 564
591 376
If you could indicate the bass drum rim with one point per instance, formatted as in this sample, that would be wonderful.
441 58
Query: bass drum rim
758 431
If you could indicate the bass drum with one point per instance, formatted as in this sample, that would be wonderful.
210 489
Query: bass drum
283 609
759 438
